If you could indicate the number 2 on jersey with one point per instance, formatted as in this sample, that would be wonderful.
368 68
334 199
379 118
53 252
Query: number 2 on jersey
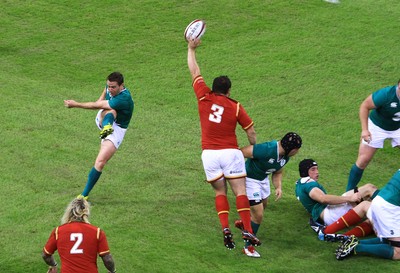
78 237
216 115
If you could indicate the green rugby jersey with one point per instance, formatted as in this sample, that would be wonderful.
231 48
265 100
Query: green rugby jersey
124 105
265 160
386 115
303 187
391 191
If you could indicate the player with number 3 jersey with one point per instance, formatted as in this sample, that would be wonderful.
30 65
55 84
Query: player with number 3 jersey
380 120
222 160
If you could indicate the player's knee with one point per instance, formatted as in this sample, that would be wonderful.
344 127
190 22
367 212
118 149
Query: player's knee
396 255
99 165
362 162
364 206
368 188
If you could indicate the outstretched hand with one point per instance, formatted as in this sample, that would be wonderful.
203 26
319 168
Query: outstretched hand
69 103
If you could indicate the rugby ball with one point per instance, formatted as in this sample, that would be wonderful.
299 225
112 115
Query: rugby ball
195 29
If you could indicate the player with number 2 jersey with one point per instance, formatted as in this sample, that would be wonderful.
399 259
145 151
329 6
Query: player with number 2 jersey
78 242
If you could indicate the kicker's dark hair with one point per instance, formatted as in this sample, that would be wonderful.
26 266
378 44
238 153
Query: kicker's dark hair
116 77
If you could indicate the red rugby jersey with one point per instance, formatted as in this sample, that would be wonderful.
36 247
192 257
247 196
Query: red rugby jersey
218 117
78 245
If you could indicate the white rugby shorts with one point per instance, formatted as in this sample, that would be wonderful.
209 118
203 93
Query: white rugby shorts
117 136
379 135
258 190
228 163
385 218
333 212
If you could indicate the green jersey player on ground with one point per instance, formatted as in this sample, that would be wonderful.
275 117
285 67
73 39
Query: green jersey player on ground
265 160
384 213
115 107
380 120
332 213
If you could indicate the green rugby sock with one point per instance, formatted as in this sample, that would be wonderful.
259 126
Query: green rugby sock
108 119
255 227
379 249
354 177
94 175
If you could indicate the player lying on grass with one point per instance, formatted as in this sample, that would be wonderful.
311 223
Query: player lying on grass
332 213
384 213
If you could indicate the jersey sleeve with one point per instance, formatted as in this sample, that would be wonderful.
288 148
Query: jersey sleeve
200 87
380 97
102 246
261 151
243 118
51 245
118 103
309 186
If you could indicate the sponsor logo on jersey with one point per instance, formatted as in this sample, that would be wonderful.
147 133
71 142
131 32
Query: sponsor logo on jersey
393 104
270 171
271 161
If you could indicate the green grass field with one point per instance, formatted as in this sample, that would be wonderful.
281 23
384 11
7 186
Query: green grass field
296 65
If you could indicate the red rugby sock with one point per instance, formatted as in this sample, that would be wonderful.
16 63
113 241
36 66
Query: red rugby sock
222 207
362 230
349 219
243 208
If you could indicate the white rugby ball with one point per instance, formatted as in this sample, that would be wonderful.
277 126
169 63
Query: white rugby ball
195 29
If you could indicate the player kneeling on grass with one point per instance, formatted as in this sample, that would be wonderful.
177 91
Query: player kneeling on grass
384 213
332 213
78 242
265 160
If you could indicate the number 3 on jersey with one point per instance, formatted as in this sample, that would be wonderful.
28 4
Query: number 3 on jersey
78 238
216 115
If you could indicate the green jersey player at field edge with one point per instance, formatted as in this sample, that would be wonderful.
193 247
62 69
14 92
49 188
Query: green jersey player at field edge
265 160
332 213
384 213
380 120
115 107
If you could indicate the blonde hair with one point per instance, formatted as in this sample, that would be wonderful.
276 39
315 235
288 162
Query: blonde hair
77 211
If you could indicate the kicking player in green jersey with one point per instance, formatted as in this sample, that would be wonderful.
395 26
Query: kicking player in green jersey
115 107
332 213
384 213
380 119
265 160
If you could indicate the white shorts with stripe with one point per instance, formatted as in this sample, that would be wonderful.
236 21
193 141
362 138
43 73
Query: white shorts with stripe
333 212
385 218
117 136
228 163
258 190
379 135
